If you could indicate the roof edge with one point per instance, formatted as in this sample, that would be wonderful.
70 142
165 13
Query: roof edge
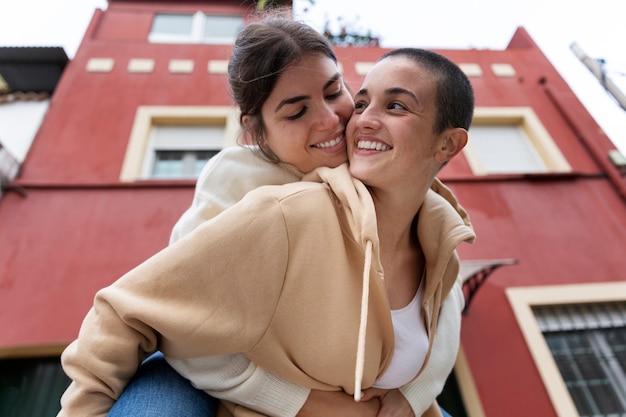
521 39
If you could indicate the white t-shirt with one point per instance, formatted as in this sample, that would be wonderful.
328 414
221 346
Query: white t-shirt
411 345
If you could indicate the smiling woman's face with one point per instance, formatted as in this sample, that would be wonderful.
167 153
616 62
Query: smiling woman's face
391 137
305 116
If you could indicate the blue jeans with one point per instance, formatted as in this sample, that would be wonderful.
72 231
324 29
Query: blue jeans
157 390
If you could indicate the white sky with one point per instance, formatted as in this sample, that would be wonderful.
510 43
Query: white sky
596 26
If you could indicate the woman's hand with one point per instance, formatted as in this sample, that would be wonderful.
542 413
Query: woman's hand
338 404
393 403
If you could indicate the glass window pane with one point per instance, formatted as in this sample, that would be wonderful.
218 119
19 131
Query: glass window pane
172 24
168 164
202 157
180 164
590 356
616 338
181 151
222 29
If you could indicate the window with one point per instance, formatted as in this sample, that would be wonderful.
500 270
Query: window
576 335
511 141
195 28
505 150
175 142
588 343
179 164
181 151
31 386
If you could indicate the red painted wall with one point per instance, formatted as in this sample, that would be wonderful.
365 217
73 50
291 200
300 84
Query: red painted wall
63 244
77 228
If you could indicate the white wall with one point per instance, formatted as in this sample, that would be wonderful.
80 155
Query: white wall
19 123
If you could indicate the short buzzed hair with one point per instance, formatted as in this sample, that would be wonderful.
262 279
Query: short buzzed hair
454 96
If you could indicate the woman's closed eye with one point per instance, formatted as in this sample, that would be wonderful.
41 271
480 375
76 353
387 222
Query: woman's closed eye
297 115
334 93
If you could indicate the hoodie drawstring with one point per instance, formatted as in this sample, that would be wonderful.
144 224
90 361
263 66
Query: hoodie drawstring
360 351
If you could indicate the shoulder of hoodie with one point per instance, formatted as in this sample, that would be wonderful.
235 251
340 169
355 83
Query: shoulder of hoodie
310 197
306 191
311 183
242 162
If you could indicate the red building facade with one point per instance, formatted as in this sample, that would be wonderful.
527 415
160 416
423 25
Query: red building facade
98 196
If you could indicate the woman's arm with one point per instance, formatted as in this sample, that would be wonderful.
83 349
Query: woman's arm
183 299
223 182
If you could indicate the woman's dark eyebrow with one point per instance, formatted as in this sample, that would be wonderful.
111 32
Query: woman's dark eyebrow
332 80
391 92
295 99
402 91
290 100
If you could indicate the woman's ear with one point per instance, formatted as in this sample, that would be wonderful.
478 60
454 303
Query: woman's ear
245 121
451 142
252 133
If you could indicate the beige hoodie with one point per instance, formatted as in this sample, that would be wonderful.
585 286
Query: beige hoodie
306 246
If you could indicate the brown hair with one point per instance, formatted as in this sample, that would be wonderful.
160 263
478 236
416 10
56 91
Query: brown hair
263 50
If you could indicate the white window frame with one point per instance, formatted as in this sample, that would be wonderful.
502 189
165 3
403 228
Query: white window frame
523 299
196 34
140 147
526 123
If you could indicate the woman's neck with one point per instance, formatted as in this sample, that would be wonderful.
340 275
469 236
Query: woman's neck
400 251
396 211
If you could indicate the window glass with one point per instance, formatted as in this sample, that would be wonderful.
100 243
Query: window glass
181 151
588 343
196 28
221 29
172 24
180 164
201 158
168 164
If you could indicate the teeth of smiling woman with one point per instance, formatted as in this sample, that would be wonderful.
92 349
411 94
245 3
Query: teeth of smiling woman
329 143
373 146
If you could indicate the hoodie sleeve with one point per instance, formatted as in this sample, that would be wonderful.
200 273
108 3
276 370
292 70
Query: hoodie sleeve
423 390
223 182
194 298
235 378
